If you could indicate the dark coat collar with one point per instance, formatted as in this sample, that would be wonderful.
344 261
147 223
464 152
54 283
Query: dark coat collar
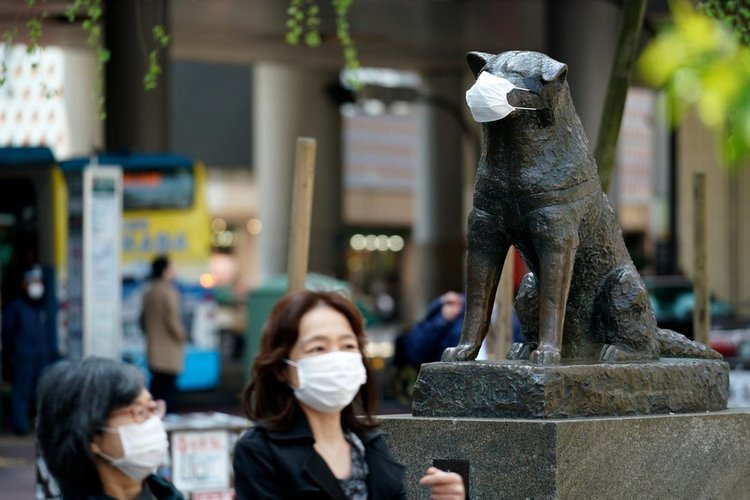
300 430
318 472
383 480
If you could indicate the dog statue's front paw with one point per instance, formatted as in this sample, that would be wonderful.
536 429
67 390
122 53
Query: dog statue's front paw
545 356
460 353
520 350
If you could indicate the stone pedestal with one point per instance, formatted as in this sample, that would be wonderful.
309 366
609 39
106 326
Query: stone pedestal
696 455
501 389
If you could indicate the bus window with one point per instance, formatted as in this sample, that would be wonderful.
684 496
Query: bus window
156 189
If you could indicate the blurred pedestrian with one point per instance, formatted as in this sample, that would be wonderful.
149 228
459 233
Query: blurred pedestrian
100 432
311 396
438 329
28 346
165 333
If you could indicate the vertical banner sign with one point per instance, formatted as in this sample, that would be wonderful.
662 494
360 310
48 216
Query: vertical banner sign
102 281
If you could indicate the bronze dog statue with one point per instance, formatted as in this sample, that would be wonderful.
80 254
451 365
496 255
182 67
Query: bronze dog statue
537 188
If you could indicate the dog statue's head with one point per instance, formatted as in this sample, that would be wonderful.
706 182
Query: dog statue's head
540 82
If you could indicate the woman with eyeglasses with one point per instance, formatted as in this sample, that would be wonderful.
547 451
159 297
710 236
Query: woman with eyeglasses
311 396
100 432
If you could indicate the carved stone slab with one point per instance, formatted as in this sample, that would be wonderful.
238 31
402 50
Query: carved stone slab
518 389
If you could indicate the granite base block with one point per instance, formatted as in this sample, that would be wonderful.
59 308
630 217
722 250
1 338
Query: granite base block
519 389
695 456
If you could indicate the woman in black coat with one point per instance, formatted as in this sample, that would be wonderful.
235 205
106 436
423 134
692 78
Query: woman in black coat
311 397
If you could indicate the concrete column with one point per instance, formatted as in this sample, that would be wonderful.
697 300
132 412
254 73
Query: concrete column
137 119
583 35
438 221
289 103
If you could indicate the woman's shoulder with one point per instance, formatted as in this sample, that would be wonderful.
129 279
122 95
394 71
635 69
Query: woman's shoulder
254 436
373 441
369 434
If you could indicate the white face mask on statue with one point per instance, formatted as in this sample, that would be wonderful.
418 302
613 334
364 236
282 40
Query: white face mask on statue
328 382
143 447
35 290
488 98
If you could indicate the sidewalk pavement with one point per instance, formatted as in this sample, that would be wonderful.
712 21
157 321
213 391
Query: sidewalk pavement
17 472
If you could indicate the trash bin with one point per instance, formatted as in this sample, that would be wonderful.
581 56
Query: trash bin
260 301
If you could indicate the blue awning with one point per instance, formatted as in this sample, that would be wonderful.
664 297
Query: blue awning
26 156
131 161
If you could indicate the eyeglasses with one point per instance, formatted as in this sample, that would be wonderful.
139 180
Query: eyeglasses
141 412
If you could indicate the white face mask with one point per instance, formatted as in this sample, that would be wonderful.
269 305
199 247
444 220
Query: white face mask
35 290
488 98
143 447
328 382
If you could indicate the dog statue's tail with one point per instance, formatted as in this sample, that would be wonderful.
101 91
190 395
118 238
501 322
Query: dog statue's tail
675 345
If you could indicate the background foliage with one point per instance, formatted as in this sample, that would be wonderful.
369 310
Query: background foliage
702 61
303 22
89 13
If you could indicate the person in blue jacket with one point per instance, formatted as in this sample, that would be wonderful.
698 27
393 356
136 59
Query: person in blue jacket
28 344
440 328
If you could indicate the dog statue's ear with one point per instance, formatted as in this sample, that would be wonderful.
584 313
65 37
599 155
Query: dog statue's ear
554 70
477 61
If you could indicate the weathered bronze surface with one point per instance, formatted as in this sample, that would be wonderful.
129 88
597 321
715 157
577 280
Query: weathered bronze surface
515 389
537 188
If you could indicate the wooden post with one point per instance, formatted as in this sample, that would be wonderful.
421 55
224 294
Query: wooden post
302 196
504 303
701 288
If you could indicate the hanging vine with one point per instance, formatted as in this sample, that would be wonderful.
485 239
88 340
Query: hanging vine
90 15
303 23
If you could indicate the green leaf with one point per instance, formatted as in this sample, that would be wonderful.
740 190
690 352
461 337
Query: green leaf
95 12
292 38
103 54
312 39
9 35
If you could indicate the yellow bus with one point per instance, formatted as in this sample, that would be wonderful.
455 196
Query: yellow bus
164 212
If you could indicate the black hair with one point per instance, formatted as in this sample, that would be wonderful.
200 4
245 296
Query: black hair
158 266
74 402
